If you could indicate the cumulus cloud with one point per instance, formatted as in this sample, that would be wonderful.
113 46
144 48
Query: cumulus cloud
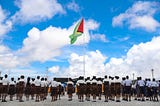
5 25
94 64
46 44
36 10
42 45
54 69
7 58
140 59
100 37
140 15
73 6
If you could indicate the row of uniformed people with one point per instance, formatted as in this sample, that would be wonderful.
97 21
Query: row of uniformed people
95 88
146 88
112 89
32 87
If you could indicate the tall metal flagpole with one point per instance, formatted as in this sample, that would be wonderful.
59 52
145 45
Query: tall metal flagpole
84 66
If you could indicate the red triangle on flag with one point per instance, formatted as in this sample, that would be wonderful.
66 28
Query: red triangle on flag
80 27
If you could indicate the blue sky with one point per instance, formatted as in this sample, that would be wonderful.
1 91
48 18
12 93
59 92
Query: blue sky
121 36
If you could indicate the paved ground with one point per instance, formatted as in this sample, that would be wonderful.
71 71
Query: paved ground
64 102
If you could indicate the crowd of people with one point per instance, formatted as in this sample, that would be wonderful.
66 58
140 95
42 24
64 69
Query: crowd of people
89 89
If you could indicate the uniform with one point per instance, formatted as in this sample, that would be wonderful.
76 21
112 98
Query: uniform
33 88
99 90
106 88
117 88
154 86
128 84
12 88
42 90
70 89
123 88
141 85
54 90
21 88
148 89
88 89
42 84
94 89
81 88
59 89
1 88
112 88
46 88
5 83
28 89
37 88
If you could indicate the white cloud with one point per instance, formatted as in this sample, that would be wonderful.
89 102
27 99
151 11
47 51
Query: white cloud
7 58
140 15
73 6
36 10
5 25
100 37
42 45
94 64
54 69
139 60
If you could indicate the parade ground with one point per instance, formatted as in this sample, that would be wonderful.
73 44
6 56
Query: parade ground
64 102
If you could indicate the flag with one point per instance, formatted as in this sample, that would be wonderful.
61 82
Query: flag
78 31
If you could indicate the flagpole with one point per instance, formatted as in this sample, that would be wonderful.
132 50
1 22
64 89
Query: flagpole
84 66
84 50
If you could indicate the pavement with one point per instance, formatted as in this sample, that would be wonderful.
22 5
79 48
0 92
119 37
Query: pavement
64 102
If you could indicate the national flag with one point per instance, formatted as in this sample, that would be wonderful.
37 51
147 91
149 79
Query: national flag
78 31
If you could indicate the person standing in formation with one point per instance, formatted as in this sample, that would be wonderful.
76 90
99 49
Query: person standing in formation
88 89
123 88
59 89
155 90
128 84
33 88
54 90
21 88
106 88
17 89
5 83
99 90
81 88
28 89
12 89
94 88
42 90
46 88
1 88
141 85
38 88
70 89
117 88
112 88
148 89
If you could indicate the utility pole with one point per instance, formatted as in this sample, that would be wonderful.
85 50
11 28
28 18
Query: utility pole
133 76
152 70
47 72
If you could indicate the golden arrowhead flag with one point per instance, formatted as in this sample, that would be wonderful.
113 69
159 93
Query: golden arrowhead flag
78 31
